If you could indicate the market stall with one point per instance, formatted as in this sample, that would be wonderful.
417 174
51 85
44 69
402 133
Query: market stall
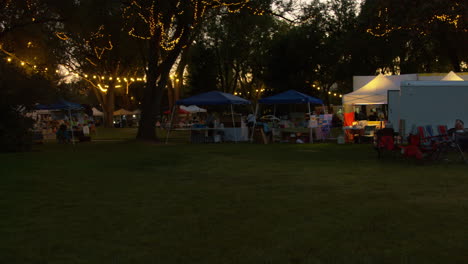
291 97
212 98
68 108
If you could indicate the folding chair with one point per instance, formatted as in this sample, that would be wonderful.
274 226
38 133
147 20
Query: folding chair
368 135
384 141
449 145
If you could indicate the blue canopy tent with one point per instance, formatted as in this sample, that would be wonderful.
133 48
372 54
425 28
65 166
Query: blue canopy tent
213 98
62 105
290 97
210 98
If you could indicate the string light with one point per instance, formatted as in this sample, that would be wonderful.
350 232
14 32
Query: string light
102 87
383 30
164 25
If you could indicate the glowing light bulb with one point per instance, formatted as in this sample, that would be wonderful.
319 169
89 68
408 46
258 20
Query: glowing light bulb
9 59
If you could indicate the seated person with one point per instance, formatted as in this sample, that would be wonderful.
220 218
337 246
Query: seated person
251 120
373 117
62 134
460 135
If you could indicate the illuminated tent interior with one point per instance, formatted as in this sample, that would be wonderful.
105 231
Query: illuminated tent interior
374 92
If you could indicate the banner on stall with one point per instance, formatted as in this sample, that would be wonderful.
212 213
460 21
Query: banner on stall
313 121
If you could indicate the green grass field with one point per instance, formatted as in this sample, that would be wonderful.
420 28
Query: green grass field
131 202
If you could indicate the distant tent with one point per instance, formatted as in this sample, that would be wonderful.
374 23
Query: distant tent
181 111
122 112
96 112
193 109
375 92
451 76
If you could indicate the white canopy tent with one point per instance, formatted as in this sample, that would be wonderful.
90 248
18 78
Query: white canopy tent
122 112
374 92
451 76
193 109
96 112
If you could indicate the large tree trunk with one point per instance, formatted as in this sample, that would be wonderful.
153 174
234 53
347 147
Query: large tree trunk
180 73
170 92
147 127
157 76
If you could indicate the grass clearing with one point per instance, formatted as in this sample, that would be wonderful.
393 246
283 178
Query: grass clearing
130 202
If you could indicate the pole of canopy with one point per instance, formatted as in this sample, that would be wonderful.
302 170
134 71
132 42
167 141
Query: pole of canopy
274 110
254 123
311 139
234 124
170 123
71 125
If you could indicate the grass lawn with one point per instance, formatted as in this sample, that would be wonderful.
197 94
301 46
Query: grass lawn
130 202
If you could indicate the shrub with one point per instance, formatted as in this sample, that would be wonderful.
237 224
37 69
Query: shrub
15 131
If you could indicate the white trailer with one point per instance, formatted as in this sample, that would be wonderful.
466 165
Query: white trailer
422 103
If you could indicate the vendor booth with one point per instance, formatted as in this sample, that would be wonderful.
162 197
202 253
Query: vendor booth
68 109
374 93
391 91
125 118
292 97
212 132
